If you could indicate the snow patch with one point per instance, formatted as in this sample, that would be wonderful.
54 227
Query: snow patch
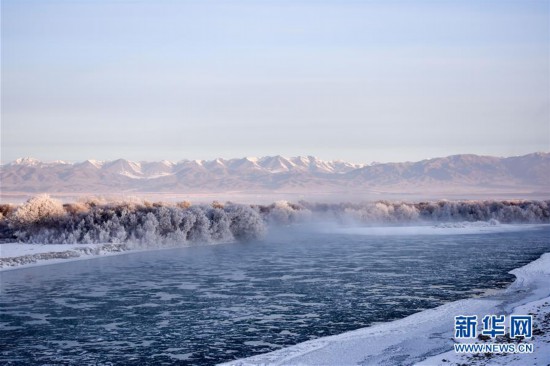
18 255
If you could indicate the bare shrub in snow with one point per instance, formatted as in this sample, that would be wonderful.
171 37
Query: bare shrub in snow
216 204
6 210
184 204
74 208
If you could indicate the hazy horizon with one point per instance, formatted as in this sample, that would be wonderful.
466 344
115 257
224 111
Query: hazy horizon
356 81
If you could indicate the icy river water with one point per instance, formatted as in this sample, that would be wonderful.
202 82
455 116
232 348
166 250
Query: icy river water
208 304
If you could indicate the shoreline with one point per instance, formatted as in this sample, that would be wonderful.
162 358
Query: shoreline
78 252
42 255
426 338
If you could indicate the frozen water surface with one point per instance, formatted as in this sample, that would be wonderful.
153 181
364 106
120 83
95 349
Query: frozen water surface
208 304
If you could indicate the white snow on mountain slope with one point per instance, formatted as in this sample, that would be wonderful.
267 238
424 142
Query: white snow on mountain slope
123 167
458 175
28 161
274 164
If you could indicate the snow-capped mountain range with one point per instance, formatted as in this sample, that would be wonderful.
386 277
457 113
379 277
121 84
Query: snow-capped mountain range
467 173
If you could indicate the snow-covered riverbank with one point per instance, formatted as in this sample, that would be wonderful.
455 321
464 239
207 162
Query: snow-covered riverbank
20 255
426 338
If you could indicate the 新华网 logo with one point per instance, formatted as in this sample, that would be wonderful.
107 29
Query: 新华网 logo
492 326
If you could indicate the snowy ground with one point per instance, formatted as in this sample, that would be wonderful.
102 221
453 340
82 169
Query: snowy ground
538 274
19 255
426 338
21 249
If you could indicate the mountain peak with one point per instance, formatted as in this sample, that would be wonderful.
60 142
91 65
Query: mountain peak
95 163
28 161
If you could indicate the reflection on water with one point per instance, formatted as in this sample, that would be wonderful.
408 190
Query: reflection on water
208 304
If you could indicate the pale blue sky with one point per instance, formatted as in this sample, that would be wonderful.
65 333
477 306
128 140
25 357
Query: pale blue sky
354 80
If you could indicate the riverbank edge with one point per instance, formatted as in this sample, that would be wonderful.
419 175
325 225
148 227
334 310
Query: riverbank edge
74 252
426 337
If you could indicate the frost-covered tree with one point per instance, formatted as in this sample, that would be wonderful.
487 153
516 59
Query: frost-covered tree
406 212
200 231
38 210
219 224
285 213
149 229
246 223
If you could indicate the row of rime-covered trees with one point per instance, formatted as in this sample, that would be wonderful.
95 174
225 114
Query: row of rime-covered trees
441 211
45 220
399 212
